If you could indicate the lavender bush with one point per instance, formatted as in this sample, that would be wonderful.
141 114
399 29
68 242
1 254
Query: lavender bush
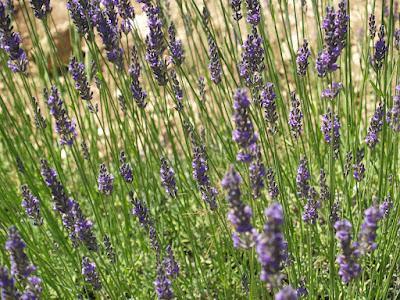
199 149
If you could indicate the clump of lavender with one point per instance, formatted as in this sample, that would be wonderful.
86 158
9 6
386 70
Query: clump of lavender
287 293
214 66
367 235
271 246
200 174
167 176
302 179
393 115
107 27
127 14
257 173
239 214
375 126
10 42
175 46
252 63
302 59
236 8
330 127
332 92
380 50
273 189
310 214
78 73
177 90
125 170
243 134
372 26
155 45
105 180
295 116
268 102
7 284
347 260
64 126
253 12
358 167
162 284
40 8
90 274
170 264
134 72
32 205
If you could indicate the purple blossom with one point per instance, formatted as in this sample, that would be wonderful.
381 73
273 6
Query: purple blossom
286 293
83 229
302 59
310 214
31 204
163 285
79 11
167 176
7 285
141 212
386 206
243 134
236 8
273 189
239 214
375 126
33 289
330 127
10 42
358 167
175 46
125 170
331 92
367 235
252 63
170 264
268 102
64 126
127 14
380 50
177 90
214 66
271 246
90 274
40 8
295 116
257 173
134 72
347 260
200 174
78 73
105 180
253 12
393 115
302 179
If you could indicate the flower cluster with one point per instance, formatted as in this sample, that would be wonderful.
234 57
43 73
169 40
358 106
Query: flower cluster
32 205
393 115
295 116
134 72
214 66
375 126
125 170
268 102
105 181
90 274
175 46
330 128
302 59
167 176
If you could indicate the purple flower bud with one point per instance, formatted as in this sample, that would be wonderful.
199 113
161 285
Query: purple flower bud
367 235
64 126
177 90
302 59
380 50
358 167
310 214
32 205
348 266
79 11
78 73
331 92
215 63
163 285
268 102
33 288
372 26
83 229
271 246
253 12
286 293
239 214
324 189
170 264
236 8
175 46
393 115
257 173
134 71
40 8
375 126
302 179
167 175
386 206
273 189
105 180
90 274
127 14
295 116
125 170
330 128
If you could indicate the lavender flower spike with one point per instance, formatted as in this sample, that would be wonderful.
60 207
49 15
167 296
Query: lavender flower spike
330 128
167 175
236 7
268 102
40 8
79 11
380 50
348 265
175 46
239 214
287 293
369 227
170 264
375 126
7 285
127 14
90 274
253 12
125 170
78 73
257 173
302 179
302 59
271 246
64 126
393 116
32 205
215 63
332 92
134 72
105 181
163 285
83 229
273 189
295 116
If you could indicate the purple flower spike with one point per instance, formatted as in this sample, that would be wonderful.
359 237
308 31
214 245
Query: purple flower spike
257 173
134 72
40 8
214 66
163 285
302 179
167 176
380 50
253 12
125 170
175 46
295 116
83 229
32 205
287 293
375 126
64 126
331 92
80 12
393 116
127 14
273 189
330 128
310 214
78 73
397 39
170 264
105 181
369 227
7 285
268 102
302 59
239 214
372 26
90 274
271 246
358 167
236 8
348 266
